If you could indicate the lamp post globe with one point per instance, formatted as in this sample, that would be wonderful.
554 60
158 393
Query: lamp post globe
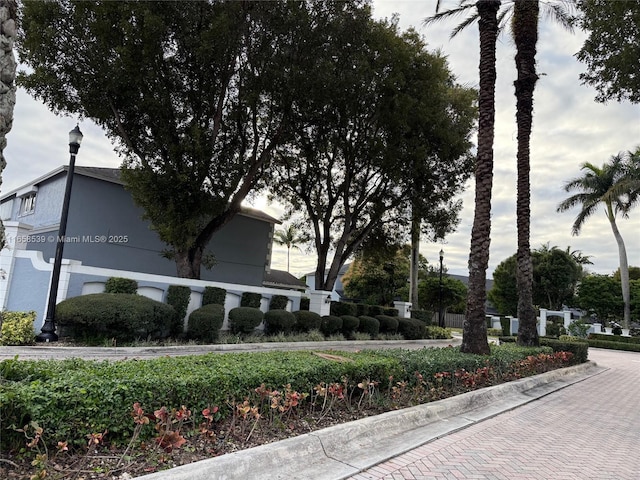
48 331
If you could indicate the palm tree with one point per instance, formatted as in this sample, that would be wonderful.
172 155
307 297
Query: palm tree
289 237
602 185
474 338
7 82
524 27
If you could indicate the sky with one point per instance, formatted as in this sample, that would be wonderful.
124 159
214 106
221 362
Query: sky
569 129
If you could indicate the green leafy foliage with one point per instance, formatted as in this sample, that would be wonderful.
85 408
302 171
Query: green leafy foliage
601 295
304 303
330 325
339 309
120 285
122 316
244 319
250 299
307 321
611 48
437 332
214 295
578 328
387 324
411 329
178 297
279 321
454 294
17 328
580 350
278 302
205 323
350 324
369 325
425 316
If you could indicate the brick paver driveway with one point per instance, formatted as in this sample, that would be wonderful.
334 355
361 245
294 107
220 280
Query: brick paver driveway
590 430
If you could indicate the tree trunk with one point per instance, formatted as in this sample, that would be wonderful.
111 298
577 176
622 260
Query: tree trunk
525 33
624 267
188 263
474 338
415 259
8 15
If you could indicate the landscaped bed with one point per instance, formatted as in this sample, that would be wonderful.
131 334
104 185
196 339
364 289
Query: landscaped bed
88 419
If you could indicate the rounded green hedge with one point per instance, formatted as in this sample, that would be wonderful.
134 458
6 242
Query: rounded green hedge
349 324
277 321
387 324
411 329
244 319
369 325
330 325
123 316
121 285
307 321
205 323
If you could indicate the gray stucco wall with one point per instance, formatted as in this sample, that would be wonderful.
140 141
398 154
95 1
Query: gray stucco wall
29 289
102 210
48 204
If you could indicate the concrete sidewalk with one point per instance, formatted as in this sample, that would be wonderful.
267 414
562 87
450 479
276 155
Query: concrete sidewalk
345 450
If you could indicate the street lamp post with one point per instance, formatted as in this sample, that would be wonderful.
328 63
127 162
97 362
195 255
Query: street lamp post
48 332
440 312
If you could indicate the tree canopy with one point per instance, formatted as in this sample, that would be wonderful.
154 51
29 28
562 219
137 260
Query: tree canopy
611 52
195 96
382 121
555 277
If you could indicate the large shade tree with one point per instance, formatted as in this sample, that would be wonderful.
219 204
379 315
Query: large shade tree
611 51
601 187
195 96
359 133
8 15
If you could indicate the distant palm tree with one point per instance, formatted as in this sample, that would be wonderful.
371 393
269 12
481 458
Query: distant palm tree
289 237
604 186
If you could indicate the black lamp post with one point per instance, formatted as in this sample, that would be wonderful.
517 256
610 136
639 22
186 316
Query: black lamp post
440 312
48 332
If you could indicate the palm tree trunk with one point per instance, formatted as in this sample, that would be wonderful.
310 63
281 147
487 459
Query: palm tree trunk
525 33
474 337
624 267
8 15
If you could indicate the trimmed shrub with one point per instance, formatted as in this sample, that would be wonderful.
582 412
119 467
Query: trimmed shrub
375 310
279 302
369 325
387 324
279 321
390 311
121 316
214 295
506 326
307 321
440 333
613 345
362 309
304 303
613 338
616 330
330 325
205 323
178 297
121 285
411 329
17 328
244 319
580 350
424 315
338 309
349 325
250 299
555 329
494 332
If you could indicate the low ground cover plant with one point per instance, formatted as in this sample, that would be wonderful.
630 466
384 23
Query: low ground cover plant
166 408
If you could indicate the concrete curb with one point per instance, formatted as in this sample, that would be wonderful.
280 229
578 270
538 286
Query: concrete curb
344 450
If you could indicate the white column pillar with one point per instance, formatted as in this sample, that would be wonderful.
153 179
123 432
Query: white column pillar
320 302
567 319
404 309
